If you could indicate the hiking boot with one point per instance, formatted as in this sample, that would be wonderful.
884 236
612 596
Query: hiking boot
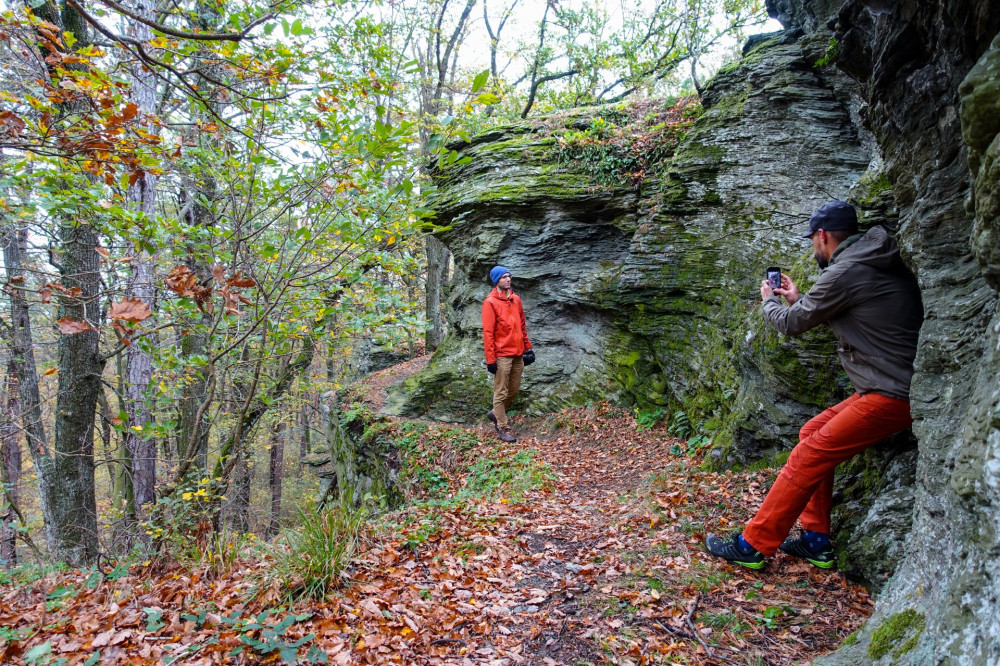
506 435
731 552
492 417
818 557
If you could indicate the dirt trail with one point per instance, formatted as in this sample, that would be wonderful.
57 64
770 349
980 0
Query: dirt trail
605 564
580 544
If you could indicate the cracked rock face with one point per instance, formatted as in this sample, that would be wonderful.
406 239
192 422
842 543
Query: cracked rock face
928 76
649 295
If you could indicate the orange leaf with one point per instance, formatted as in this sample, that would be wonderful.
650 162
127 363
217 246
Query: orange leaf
101 251
218 273
11 124
239 281
50 371
69 326
130 309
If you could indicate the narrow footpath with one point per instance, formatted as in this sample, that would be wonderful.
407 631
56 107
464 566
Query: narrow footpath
579 544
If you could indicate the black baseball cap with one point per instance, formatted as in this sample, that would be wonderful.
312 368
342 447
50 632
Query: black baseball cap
833 216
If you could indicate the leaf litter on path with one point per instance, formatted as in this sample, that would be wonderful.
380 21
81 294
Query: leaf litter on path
598 560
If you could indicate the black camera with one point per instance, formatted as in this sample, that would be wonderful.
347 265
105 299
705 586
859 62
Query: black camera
774 277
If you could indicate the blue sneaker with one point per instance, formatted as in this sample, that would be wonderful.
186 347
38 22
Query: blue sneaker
731 552
818 557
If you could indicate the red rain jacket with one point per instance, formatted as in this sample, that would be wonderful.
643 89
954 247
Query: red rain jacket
504 330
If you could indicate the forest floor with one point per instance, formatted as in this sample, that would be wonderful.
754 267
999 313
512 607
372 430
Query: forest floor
582 543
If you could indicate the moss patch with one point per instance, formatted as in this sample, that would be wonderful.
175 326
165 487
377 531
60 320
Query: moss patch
898 634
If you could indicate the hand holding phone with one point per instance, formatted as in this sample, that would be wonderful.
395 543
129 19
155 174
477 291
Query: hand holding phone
774 277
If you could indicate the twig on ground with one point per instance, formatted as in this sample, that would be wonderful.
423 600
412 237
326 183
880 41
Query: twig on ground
694 630
673 631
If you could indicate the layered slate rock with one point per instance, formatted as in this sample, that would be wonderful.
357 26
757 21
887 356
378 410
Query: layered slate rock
648 294
928 72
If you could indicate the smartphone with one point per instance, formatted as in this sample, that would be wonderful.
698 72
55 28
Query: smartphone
774 277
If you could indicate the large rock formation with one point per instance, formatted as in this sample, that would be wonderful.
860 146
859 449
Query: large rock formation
648 294
929 76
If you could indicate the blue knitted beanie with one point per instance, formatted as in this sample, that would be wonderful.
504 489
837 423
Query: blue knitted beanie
497 272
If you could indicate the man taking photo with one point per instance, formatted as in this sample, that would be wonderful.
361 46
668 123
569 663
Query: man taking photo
872 302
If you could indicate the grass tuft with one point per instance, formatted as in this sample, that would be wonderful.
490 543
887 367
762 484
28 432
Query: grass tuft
312 557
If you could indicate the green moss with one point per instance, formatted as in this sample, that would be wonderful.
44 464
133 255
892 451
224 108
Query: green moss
852 639
773 461
890 635
872 187
830 55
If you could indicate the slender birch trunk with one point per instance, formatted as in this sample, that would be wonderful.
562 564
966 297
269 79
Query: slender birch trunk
141 196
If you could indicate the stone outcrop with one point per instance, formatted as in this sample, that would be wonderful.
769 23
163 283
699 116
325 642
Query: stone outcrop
928 75
648 294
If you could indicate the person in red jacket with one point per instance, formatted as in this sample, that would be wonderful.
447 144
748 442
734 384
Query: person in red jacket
508 349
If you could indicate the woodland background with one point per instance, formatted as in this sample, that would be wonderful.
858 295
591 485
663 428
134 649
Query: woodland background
214 217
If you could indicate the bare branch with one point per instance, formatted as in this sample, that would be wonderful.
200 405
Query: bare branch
183 34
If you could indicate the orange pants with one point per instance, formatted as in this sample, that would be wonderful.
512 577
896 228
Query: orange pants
804 488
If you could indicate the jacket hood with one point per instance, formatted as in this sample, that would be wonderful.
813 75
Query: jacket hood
875 248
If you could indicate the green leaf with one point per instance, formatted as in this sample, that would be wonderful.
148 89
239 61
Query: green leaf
93 659
37 652
154 621
480 80
487 99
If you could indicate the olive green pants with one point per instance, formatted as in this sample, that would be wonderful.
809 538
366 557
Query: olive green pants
506 384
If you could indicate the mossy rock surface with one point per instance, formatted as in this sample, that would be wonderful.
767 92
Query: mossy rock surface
646 291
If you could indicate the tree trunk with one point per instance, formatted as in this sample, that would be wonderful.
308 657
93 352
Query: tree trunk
276 472
72 509
10 469
437 259
141 196
80 366
22 352
196 197
305 442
